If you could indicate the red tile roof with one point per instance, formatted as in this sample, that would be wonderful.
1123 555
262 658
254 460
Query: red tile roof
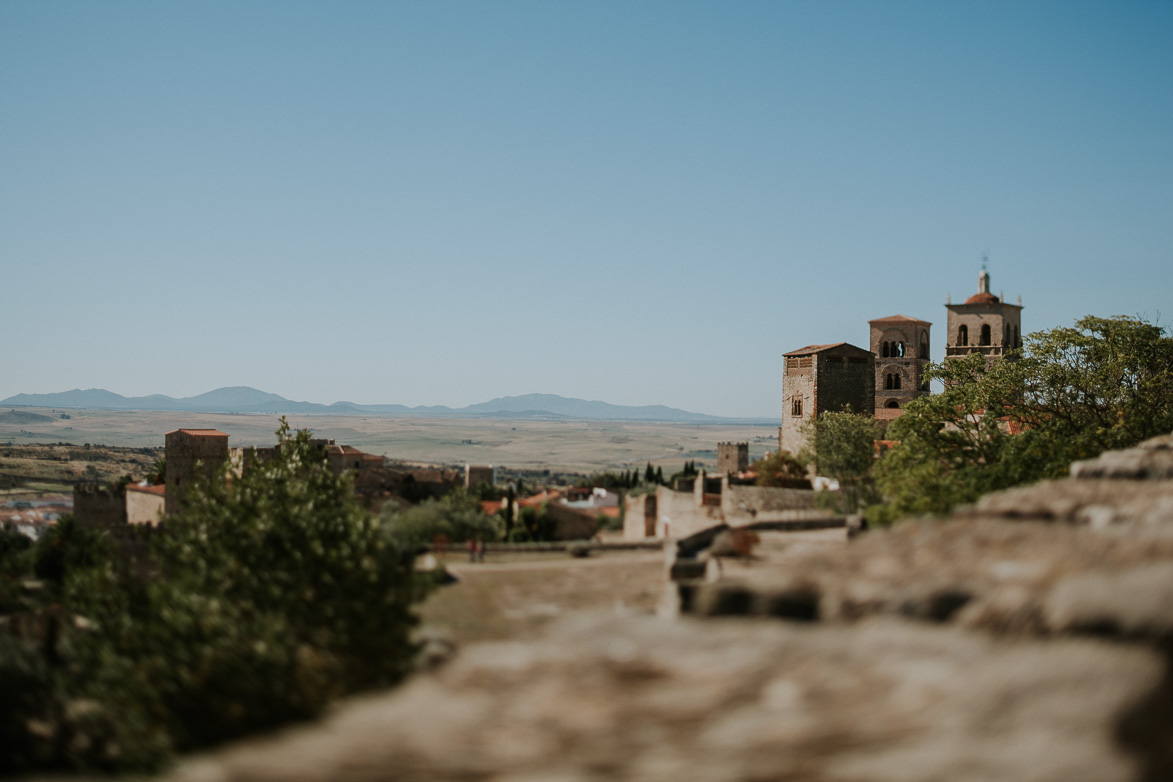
900 319
159 490
809 349
983 298
813 349
538 499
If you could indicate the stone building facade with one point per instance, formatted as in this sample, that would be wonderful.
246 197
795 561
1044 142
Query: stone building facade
983 324
475 474
144 504
100 505
901 346
186 448
732 457
821 378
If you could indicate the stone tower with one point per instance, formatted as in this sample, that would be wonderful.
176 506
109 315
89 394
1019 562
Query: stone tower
819 378
185 447
901 345
732 457
983 324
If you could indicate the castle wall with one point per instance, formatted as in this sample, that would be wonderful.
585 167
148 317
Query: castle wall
99 505
679 514
742 505
798 400
732 457
144 505
185 449
477 474
639 518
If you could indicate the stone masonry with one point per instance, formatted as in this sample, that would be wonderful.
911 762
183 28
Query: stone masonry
187 451
983 324
901 347
821 378
732 458
1027 638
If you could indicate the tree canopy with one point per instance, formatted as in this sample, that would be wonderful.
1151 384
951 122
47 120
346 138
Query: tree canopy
269 593
1070 394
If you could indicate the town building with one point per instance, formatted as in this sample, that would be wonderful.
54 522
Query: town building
475 474
901 347
821 378
144 503
983 324
187 450
732 458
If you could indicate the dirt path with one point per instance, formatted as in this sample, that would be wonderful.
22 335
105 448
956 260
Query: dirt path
513 599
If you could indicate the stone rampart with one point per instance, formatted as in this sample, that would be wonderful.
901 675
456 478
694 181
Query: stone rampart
1026 638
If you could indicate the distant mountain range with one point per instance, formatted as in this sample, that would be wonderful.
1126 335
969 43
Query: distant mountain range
242 399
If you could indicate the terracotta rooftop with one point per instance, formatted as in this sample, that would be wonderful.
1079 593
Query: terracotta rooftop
809 349
900 319
344 449
160 490
983 298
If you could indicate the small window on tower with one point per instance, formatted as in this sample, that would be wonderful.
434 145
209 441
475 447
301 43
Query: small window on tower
985 338
963 335
796 406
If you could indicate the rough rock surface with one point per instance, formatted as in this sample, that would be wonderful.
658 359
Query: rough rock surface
1028 638
639 698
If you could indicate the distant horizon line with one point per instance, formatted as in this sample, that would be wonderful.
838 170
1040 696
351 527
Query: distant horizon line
248 399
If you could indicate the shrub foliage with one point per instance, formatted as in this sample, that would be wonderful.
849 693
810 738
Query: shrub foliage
267 594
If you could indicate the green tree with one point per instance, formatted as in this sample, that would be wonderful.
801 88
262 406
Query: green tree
842 445
458 517
781 468
262 598
1071 394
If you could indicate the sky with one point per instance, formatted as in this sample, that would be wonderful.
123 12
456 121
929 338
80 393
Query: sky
636 202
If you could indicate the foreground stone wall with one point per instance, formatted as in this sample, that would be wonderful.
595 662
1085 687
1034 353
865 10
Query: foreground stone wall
682 513
1027 638
747 504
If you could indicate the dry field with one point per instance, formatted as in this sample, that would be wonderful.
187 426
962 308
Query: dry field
583 446
514 595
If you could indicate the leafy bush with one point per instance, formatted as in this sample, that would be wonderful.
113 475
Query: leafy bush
780 468
1071 394
265 596
458 517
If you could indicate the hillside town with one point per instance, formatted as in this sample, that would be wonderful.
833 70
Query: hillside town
561 392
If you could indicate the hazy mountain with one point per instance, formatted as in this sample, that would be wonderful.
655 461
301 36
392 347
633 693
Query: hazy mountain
581 408
242 399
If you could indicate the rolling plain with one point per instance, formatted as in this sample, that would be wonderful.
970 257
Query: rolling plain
559 445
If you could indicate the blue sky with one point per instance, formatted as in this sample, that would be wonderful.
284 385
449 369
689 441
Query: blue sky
644 203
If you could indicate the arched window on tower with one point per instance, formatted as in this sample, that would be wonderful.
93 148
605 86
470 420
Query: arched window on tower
1017 341
896 381
887 382
900 350
985 337
796 406
884 350
963 335
924 346
892 404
